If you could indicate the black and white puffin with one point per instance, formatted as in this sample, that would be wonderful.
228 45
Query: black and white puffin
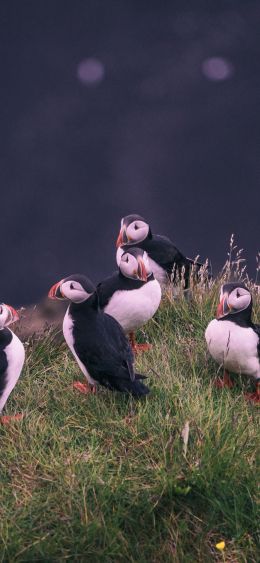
165 259
12 357
132 295
96 340
233 339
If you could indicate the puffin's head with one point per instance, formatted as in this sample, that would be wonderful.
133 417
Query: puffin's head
8 315
234 298
134 263
77 288
134 229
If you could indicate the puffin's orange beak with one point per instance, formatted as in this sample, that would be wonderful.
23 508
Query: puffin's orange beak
13 314
122 237
223 307
142 273
55 291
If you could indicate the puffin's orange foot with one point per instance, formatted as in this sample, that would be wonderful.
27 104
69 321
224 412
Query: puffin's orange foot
138 347
225 382
220 384
253 397
141 347
84 388
12 418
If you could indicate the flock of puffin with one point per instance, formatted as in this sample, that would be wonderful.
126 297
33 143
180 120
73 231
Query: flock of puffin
99 319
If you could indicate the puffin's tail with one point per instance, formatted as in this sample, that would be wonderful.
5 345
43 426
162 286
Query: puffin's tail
135 388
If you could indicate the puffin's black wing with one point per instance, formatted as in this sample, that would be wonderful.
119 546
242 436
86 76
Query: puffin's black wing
120 347
162 250
164 253
107 355
256 328
105 350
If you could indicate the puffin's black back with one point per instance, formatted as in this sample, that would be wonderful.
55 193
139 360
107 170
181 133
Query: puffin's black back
164 253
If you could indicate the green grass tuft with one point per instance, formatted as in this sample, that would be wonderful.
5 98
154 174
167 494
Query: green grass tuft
104 478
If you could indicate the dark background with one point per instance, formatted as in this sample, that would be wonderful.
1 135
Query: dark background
153 133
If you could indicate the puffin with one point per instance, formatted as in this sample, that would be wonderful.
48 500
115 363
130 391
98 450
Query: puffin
12 356
96 340
232 338
131 295
165 259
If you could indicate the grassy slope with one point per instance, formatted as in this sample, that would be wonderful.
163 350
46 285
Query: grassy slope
104 478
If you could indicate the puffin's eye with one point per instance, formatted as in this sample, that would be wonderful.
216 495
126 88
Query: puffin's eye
72 286
238 294
127 259
1 310
136 227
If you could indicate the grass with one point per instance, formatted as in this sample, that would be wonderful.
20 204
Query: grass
104 478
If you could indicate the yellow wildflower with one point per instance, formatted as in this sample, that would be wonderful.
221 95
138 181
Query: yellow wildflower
220 546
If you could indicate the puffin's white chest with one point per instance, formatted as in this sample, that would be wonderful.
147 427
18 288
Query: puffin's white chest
135 307
233 346
68 335
15 356
67 331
